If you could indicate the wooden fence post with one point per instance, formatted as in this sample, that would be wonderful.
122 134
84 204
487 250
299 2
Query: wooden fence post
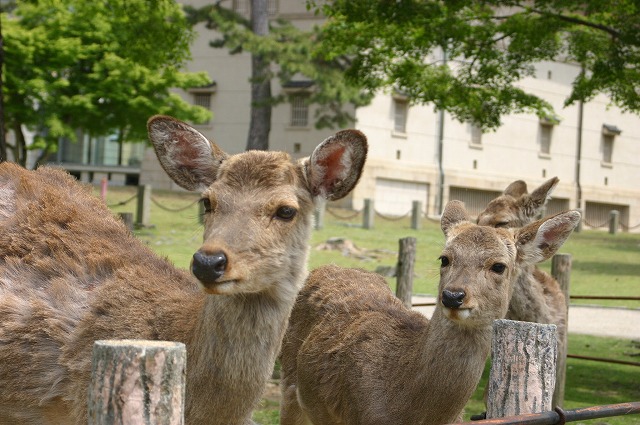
137 382
143 212
561 271
614 220
404 270
127 219
416 215
523 368
367 214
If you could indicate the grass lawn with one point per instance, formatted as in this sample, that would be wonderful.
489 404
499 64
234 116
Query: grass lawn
603 264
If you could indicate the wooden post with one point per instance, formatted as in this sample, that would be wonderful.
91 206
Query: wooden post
523 368
406 260
416 215
614 220
367 214
127 219
143 212
318 214
137 382
561 271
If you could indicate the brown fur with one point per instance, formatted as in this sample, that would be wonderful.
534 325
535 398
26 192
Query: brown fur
353 354
537 297
71 274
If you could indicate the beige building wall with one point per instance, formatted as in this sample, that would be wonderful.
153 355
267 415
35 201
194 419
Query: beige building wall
403 166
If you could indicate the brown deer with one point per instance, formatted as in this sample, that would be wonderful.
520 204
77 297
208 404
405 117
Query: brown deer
71 274
537 296
354 354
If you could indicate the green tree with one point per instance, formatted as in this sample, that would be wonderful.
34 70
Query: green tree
100 67
489 47
282 52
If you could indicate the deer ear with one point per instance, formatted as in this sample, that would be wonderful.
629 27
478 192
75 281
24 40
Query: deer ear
532 205
538 241
454 213
335 166
184 153
516 189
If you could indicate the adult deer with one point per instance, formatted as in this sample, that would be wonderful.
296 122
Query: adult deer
71 274
537 296
353 354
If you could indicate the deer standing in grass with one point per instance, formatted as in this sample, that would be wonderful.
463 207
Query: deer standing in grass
537 296
71 274
353 354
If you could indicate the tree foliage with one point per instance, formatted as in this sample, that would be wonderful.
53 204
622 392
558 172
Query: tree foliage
490 46
96 66
292 54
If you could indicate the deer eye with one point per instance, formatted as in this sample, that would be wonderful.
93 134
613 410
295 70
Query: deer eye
286 213
502 224
444 261
498 268
206 205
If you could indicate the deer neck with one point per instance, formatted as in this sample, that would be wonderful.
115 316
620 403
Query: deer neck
236 341
452 361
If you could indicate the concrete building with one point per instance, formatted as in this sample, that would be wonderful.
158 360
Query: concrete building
404 158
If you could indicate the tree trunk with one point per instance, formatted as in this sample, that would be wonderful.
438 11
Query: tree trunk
3 133
137 382
260 121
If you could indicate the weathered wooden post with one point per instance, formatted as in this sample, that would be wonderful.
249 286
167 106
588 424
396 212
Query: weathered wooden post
143 212
406 260
367 214
614 221
318 214
137 382
523 368
127 219
416 215
561 271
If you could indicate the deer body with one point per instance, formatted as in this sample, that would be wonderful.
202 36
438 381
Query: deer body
353 354
537 296
71 274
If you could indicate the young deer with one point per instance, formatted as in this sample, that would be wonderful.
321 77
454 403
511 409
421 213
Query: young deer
537 296
353 354
71 274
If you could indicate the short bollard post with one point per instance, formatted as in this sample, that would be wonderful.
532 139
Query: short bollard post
367 214
143 212
614 221
523 368
416 215
137 382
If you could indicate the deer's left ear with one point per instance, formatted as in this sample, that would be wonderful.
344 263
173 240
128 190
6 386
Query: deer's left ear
540 240
335 166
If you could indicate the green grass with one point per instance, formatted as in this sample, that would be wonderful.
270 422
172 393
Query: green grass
603 264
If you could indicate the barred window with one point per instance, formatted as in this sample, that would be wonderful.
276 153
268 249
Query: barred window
299 109
400 110
545 138
476 134
203 100
243 7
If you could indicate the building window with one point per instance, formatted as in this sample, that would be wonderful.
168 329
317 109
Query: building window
400 111
609 133
546 131
476 134
203 100
299 109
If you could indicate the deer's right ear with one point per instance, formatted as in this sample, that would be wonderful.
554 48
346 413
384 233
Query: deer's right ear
335 166
186 155
454 213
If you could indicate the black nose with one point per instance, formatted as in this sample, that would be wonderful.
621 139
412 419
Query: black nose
452 299
208 267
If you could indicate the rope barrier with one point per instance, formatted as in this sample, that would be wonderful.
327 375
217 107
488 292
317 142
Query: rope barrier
173 209
347 217
388 218
118 204
606 223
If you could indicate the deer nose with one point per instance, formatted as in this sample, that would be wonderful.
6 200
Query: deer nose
452 299
208 267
